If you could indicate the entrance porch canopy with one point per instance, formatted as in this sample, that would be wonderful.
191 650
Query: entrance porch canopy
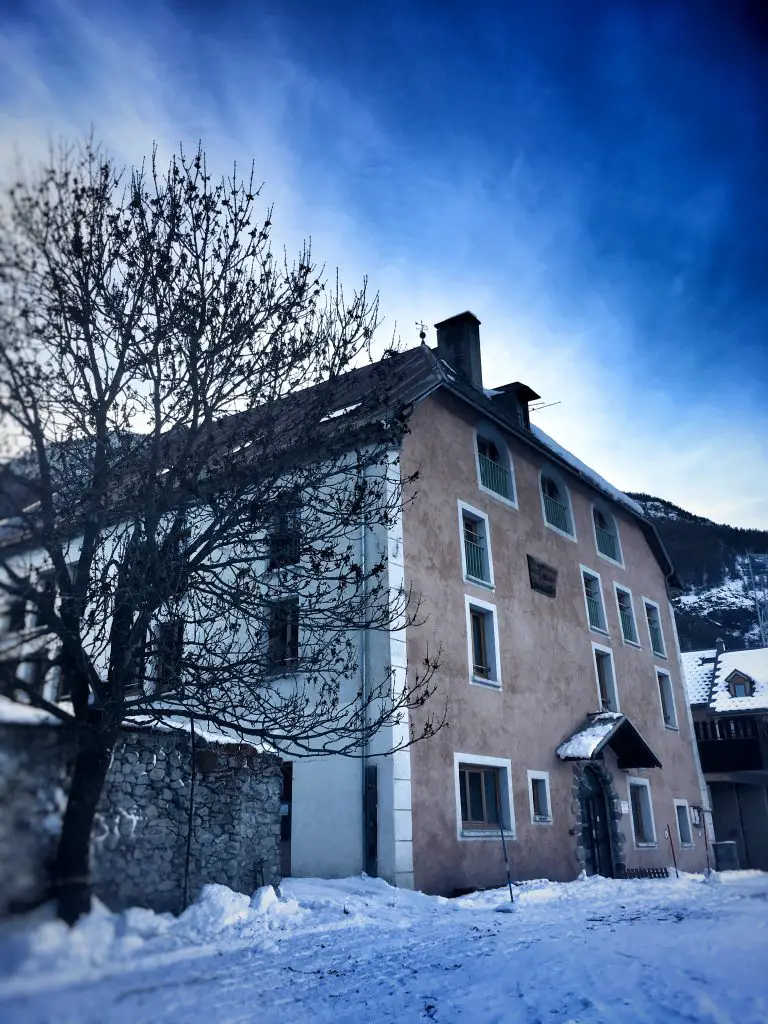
608 729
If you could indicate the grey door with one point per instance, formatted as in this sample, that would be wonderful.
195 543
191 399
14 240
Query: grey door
595 826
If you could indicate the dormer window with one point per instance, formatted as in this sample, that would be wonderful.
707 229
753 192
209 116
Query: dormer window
606 534
494 467
556 503
740 684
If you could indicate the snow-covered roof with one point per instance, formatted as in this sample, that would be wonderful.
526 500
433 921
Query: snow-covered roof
752 663
585 470
584 743
706 679
698 673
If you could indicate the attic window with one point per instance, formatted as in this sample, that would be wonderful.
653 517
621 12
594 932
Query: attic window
740 684
556 504
606 535
495 467
340 412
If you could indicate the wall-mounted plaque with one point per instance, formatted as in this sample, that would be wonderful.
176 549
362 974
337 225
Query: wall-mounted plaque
543 577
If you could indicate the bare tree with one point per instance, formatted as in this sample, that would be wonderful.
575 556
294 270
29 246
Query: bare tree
196 492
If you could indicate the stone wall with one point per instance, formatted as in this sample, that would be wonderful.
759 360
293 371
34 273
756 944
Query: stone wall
230 798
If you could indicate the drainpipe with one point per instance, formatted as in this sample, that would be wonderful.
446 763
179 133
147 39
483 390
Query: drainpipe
706 816
364 658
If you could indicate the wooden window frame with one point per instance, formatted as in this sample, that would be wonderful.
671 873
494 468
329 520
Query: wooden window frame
601 650
662 673
542 778
473 831
641 784
685 844
471 514
489 623
283 652
590 575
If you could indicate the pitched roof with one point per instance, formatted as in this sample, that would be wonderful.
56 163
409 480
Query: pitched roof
367 395
608 729
706 679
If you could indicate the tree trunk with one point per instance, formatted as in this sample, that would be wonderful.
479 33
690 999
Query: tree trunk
72 868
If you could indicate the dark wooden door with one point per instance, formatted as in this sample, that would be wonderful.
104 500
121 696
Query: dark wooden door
595 826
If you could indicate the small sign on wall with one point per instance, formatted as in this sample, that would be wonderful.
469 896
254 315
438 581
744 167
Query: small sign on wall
543 577
624 807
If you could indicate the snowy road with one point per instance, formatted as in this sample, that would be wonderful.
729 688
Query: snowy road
358 951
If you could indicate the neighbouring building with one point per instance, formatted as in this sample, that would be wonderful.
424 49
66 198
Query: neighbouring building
728 692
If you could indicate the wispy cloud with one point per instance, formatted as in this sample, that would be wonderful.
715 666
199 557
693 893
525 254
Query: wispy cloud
434 236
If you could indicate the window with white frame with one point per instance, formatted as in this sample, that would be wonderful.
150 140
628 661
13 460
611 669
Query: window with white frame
538 795
475 545
641 812
593 596
655 633
482 642
556 503
683 815
606 678
483 796
626 611
494 466
606 534
667 698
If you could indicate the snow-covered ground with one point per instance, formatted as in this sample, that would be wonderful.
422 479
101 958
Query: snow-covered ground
662 950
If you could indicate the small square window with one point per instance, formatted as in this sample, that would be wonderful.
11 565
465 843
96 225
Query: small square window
606 679
538 791
667 698
684 832
643 828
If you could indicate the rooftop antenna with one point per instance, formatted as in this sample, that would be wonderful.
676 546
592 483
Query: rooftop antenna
422 331
757 565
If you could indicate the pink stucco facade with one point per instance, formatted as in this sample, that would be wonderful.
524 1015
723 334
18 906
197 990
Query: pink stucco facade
546 666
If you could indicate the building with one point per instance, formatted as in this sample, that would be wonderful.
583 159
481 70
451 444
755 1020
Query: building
728 692
545 589
547 592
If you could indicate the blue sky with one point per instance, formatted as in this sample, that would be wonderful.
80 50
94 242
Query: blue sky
588 177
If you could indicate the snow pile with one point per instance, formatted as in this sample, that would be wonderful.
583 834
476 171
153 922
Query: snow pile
340 952
15 713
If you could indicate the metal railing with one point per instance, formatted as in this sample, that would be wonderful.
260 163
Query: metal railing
606 543
556 514
477 566
657 640
628 626
595 613
495 477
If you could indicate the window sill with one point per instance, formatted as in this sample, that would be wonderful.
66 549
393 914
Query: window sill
560 533
672 728
632 643
541 819
686 846
658 654
509 502
484 833
488 684
607 558
599 629
646 846
485 584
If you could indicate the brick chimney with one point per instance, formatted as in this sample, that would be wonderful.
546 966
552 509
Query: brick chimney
458 343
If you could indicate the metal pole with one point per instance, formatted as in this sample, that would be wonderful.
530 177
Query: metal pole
190 818
506 859
672 848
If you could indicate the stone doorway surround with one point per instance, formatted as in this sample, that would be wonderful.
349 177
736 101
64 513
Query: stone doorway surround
613 804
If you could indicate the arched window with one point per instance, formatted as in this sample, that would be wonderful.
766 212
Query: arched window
494 466
556 503
606 534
